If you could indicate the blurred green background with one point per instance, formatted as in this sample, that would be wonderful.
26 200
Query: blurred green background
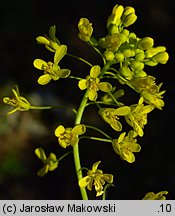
21 22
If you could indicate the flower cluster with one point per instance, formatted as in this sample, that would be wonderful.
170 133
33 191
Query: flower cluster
96 178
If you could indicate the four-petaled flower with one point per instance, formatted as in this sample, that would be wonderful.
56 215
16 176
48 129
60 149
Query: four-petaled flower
158 196
52 70
126 145
20 103
110 115
137 118
69 136
97 178
93 84
50 163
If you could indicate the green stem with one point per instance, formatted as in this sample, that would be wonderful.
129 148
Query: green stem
80 59
63 156
114 99
100 131
51 107
76 148
95 138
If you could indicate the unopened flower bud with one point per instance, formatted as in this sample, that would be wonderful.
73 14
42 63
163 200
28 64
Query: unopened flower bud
115 17
128 10
85 29
151 63
153 51
109 55
137 65
161 57
126 72
128 53
123 38
119 57
129 19
140 56
145 43
112 42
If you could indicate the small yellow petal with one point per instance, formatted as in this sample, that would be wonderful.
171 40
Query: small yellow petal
44 79
82 84
84 181
59 130
39 64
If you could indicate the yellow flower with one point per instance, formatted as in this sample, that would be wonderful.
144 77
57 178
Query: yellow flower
69 136
93 84
50 163
157 196
126 145
110 115
20 103
97 178
52 70
137 118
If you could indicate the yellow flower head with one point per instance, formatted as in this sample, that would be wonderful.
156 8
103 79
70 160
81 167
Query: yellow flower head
20 103
126 145
96 178
52 70
93 84
50 163
69 136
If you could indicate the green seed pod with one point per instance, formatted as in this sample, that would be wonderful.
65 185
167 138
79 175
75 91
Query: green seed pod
109 55
145 43
129 19
153 51
119 57
161 57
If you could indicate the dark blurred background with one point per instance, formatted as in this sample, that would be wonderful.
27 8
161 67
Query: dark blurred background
21 22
